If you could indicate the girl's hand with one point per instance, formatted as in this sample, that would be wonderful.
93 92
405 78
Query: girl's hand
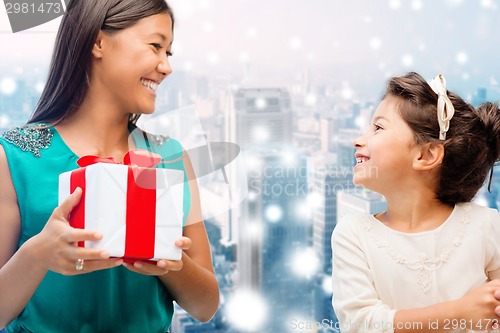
497 296
162 266
56 246
482 305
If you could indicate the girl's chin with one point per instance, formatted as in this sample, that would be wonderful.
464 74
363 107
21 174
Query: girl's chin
361 182
357 180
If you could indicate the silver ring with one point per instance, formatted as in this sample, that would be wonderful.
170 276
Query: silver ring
79 264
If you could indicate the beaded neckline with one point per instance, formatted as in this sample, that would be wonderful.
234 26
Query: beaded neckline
36 137
423 265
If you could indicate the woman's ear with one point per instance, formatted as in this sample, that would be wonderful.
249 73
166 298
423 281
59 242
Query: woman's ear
97 50
430 156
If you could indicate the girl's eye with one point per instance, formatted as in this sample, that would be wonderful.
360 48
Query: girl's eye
377 127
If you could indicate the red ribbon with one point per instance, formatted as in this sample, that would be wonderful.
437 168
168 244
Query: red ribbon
141 200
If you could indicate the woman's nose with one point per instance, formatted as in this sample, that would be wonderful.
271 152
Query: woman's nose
164 66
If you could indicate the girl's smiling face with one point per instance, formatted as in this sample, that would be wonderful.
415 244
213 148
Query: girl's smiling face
129 65
385 153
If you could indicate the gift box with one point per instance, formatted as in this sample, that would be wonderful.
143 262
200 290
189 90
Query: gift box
137 208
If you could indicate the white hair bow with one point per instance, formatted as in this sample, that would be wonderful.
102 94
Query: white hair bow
445 108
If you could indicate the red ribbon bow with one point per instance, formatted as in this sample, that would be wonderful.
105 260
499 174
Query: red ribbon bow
137 157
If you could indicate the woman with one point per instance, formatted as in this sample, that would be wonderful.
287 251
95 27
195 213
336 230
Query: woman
109 58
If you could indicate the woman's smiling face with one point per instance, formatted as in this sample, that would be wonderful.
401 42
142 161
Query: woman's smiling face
131 63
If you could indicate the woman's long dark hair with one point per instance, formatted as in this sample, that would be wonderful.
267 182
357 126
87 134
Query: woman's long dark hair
69 72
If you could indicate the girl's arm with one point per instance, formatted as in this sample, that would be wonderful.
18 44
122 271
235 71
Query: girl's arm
359 308
474 311
492 235
355 299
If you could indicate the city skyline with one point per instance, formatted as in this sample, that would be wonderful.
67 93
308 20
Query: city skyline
353 46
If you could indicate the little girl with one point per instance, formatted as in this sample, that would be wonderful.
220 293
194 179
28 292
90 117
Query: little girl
431 262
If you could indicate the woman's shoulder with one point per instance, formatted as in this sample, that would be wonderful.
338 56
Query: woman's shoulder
30 138
169 148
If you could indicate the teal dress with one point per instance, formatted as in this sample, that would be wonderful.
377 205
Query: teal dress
112 300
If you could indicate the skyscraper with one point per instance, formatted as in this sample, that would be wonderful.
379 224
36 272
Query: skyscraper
259 117
326 179
346 148
328 136
272 236
490 93
359 201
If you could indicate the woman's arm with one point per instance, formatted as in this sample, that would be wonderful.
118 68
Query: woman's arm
195 287
191 281
19 275
54 249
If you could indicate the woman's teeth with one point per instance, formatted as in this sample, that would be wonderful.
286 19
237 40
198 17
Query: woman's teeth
151 85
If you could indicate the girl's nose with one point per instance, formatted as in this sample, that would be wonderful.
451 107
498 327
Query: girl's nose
359 141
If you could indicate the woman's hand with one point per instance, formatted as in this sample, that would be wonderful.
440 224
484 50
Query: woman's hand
57 244
162 266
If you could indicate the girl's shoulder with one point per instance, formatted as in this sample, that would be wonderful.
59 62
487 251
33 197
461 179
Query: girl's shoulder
481 214
483 221
350 224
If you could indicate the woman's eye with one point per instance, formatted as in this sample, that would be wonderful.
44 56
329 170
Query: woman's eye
156 46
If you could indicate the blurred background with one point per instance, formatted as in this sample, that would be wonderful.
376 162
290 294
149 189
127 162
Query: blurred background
292 82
